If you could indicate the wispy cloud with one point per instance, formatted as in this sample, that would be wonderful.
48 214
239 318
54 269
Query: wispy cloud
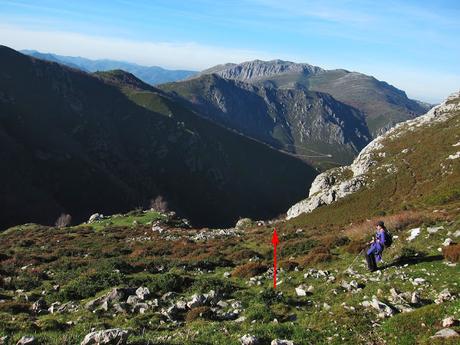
334 11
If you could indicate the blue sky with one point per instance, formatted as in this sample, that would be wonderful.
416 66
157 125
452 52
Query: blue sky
413 45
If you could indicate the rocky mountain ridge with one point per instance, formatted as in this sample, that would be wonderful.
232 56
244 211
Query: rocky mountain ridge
382 104
337 183
311 125
258 70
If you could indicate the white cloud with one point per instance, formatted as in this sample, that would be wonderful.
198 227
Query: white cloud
185 55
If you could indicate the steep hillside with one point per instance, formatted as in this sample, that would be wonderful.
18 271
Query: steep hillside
312 125
74 143
382 104
414 165
150 74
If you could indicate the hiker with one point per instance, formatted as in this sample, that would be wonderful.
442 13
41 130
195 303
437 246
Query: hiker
374 253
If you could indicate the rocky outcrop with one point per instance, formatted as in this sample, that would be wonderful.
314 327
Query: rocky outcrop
312 125
114 336
258 69
27 340
337 183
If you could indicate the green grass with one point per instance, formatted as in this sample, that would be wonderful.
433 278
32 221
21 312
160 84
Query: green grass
89 272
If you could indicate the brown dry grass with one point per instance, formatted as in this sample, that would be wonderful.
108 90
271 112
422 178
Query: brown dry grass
197 313
249 270
394 223
288 265
452 253
315 256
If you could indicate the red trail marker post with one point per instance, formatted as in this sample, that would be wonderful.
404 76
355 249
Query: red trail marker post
275 242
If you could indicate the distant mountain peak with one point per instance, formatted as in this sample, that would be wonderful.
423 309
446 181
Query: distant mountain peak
260 69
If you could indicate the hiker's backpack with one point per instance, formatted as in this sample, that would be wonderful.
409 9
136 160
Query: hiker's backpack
388 239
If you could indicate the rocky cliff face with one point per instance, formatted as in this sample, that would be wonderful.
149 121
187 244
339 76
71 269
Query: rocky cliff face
312 125
382 104
337 183
258 70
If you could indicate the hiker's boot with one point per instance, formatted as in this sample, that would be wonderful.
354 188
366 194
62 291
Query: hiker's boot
371 264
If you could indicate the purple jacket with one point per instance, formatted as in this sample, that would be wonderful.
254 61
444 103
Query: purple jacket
378 245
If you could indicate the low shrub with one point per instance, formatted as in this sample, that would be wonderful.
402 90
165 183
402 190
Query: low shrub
199 313
297 247
242 255
63 221
249 270
288 265
168 282
333 241
259 312
14 307
204 284
49 324
317 255
356 246
452 253
90 283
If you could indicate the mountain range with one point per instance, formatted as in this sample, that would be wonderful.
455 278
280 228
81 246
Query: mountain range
78 143
311 125
150 74
382 104
247 139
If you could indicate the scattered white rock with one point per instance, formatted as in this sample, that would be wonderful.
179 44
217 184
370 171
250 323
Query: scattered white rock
434 229
418 281
447 242
27 340
445 333
449 322
444 296
454 156
300 291
196 301
249 340
383 309
415 298
143 293
243 223
95 217
113 336
413 234
281 342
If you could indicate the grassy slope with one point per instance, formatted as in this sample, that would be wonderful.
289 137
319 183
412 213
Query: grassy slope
425 178
83 259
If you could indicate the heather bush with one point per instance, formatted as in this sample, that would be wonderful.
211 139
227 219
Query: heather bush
250 269
452 253
199 313
90 283
315 256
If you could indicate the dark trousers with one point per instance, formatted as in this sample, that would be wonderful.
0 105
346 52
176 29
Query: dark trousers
371 264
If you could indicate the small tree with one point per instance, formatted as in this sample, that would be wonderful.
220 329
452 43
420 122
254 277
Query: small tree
63 220
159 204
